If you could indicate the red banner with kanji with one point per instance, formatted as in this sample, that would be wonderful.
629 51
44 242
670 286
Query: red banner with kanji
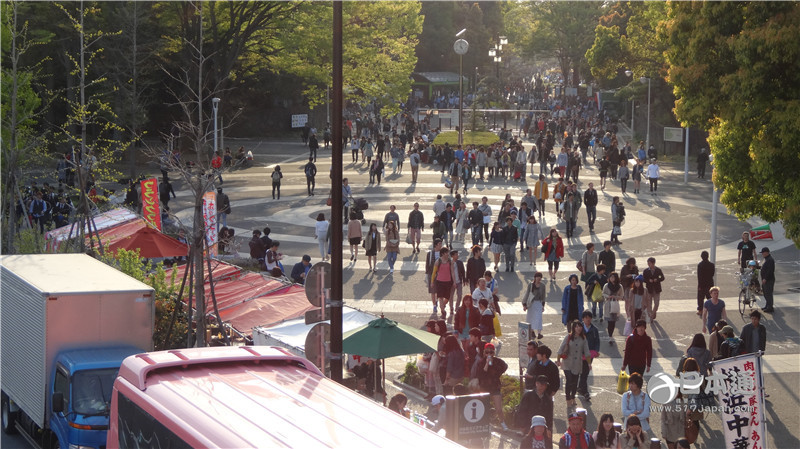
150 207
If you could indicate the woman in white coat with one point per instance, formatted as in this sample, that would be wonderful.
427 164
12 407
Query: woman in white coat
533 304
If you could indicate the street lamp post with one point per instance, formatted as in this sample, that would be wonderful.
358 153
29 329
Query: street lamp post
647 140
460 47
633 109
215 107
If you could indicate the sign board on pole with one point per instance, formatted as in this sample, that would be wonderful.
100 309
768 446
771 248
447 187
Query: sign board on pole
524 334
467 417
741 400
318 283
673 134
299 120
318 341
210 220
571 91
150 205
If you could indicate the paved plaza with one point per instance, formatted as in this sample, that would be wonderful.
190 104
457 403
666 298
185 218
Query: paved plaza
674 227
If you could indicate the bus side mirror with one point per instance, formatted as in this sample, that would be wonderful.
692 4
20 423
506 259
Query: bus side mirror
58 402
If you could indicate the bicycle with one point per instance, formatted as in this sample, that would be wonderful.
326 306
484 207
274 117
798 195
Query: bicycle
748 292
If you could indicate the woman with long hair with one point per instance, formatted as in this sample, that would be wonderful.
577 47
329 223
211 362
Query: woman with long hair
354 235
392 244
636 300
553 250
614 294
496 240
454 373
606 437
532 236
398 404
372 244
698 350
573 349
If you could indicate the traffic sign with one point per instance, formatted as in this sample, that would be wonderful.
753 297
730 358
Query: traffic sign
318 341
318 283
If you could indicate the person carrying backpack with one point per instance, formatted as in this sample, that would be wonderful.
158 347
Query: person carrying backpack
310 171
732 346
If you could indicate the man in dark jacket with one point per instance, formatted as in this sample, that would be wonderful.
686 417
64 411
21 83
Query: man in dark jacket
535 402
593 339
489 373
300 270
547 368
653 277
767 278
590 201
754 335
638 350
705 280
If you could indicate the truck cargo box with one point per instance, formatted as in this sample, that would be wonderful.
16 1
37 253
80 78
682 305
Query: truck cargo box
55 302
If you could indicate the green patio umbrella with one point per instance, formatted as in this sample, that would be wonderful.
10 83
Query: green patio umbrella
383 338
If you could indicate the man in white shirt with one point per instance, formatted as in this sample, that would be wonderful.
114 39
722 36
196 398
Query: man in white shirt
439 206
653 175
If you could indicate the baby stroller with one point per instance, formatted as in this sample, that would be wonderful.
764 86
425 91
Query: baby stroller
358 206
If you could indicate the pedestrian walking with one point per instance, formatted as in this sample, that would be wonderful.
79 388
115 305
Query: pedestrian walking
354 236
653 277
532 237
276 181
768 279
310 170
574 348
636 174
533 304
553 251
638 353
613 296
321 234
372 244
476 266
313 146
442 279
571 302
702 158
496 243
392 245
713 310
653 173
593 340
416 221
705 280
223 208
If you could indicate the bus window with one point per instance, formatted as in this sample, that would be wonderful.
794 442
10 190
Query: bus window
137 429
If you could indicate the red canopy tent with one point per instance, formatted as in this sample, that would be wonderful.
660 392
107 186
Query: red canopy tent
247 299
136 234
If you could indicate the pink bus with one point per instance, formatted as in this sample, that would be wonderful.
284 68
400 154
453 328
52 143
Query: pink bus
247 397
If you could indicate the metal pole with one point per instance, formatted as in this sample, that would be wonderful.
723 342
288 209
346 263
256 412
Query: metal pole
647 145
686 162
714 202
336 199
460 100
633 112
215 106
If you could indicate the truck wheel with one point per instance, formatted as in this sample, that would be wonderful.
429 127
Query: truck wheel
8 417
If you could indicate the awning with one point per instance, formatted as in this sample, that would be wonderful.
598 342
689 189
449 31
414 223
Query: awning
136 234
246 299
105 220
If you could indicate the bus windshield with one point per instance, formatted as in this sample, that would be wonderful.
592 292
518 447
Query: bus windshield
91 391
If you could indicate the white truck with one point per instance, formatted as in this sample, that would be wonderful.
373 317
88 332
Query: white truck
67 321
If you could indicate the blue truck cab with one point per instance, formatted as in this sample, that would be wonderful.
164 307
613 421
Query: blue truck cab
80 394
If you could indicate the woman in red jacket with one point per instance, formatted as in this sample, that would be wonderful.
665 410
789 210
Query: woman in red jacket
553 250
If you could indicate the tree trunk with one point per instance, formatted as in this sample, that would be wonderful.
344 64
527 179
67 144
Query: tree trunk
198 237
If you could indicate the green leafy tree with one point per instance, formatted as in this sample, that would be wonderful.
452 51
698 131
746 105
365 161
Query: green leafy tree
91 123
555 29
736 71
378 38
21 108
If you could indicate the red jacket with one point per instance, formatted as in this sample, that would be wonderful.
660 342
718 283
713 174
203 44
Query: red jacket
548 247
216 162
638 350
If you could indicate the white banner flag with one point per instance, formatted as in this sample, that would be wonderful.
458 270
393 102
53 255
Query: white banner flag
741 401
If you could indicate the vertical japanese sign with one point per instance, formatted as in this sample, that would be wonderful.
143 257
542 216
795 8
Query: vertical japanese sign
210 221
150 206
742 402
